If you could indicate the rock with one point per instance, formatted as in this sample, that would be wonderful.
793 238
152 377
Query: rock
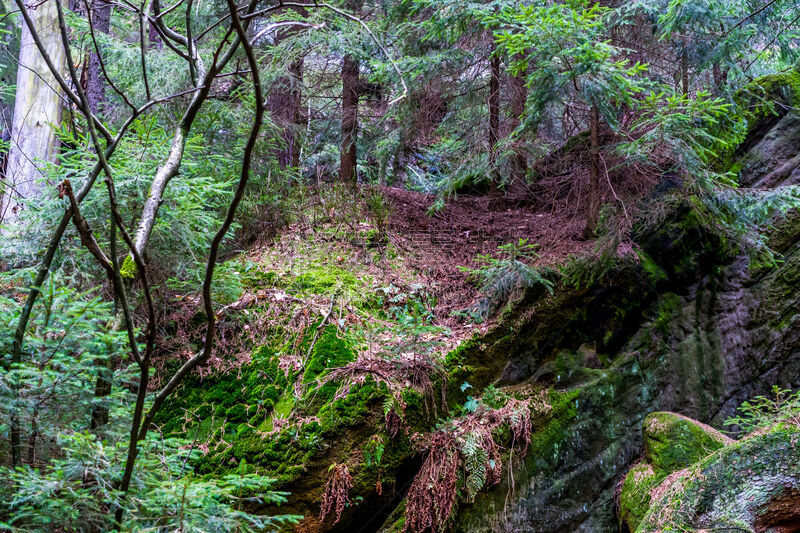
709 336
769 155
671 442
750 485
774 160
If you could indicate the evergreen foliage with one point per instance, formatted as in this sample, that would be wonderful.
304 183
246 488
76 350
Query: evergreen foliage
159 372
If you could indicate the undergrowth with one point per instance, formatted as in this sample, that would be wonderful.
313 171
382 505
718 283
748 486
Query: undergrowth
464 456
498 278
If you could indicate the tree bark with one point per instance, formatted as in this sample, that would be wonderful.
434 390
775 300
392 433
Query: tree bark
519 97
95 85
685 70
37 112
347 165
594 174
494 119
284 104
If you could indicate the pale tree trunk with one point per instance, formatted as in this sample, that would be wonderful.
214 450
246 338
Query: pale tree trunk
685 70
347 165
494 120
37 112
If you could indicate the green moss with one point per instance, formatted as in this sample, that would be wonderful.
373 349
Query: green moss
669 305
329 351
654 272
731 487
244 404
781 87
230 398
758 99
547 441
634 498
325 281
672 441
128 269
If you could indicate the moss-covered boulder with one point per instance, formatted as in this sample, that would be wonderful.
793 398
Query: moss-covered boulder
750 485
671 442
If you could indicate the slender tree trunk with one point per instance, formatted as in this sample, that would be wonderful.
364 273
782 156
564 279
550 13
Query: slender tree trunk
594 174
494 119
153 37
96 95
519 96
347 165
37 112
296 72
102 388
284 104
685 70
95 85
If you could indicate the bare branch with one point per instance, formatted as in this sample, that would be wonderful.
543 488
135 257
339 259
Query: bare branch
84 231
244 175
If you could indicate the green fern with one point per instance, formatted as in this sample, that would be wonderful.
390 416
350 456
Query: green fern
475 461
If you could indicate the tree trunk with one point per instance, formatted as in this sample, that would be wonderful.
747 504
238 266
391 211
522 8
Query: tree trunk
8 76
37 111
494 119
100 11
685 71
284 104
95 84
347 165
594 174
519 97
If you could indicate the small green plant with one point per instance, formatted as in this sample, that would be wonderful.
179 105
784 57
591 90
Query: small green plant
373 451
499 278
764 411
378 211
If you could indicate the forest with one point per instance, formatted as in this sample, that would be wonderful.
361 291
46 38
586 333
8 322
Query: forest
393 266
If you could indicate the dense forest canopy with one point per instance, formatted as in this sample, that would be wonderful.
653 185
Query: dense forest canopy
231 232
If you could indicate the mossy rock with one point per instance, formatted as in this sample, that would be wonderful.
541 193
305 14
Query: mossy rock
766 157
634 497
673 441
761 95
750 485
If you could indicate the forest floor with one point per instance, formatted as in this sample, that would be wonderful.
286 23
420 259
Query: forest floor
340 260
468 226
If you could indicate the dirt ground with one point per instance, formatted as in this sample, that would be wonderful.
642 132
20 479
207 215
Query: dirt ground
471 225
